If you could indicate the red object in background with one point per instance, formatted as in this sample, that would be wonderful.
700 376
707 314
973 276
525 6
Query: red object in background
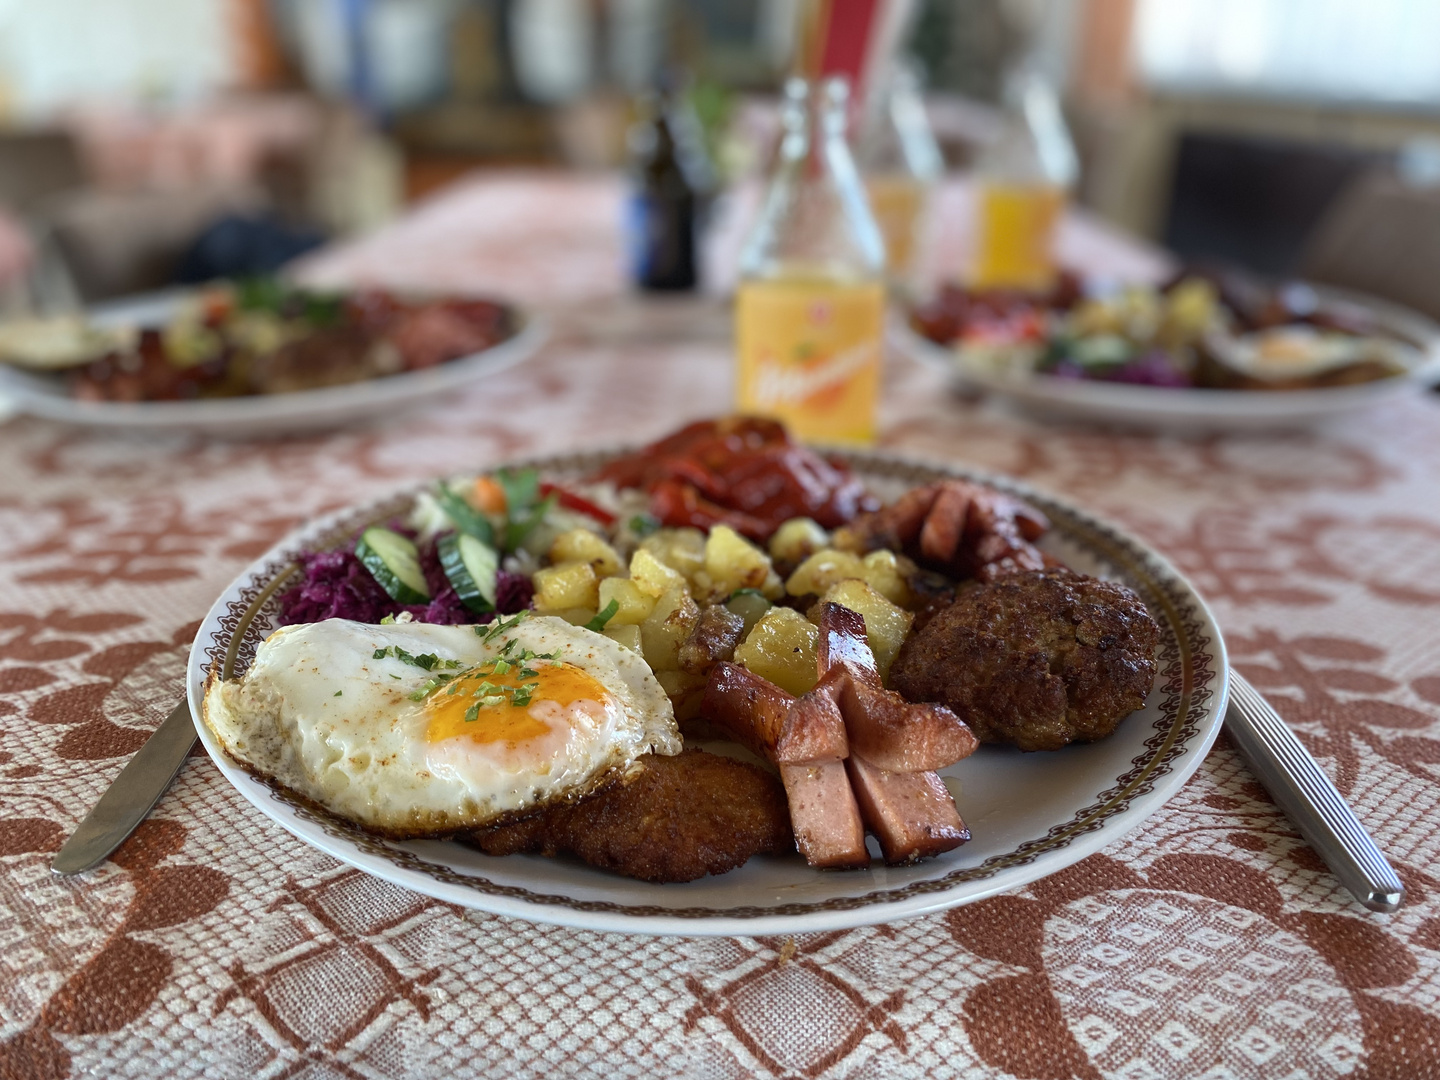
1004 314
846 33
739 471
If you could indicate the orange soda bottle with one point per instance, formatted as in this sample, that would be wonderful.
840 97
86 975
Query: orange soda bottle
1024 181
810 307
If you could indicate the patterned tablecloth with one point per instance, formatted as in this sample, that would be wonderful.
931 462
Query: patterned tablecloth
1210 942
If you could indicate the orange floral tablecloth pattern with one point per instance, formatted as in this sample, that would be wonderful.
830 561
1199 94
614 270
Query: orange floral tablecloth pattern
1210 942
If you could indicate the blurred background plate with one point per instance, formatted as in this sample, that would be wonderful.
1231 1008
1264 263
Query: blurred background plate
304 410
1194 409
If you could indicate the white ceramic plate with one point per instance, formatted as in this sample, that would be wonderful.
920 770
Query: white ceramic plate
1174 409
1029 814
47 396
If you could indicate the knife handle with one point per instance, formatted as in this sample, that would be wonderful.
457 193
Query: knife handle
1302 790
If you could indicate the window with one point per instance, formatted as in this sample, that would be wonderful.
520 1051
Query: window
1369 51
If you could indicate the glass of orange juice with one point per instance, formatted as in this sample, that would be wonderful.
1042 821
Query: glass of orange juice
1024 179
901 162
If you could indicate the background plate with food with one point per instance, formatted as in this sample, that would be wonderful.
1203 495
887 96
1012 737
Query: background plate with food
256 357
1205 352
557 847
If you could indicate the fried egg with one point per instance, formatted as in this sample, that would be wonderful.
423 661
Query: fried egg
412 729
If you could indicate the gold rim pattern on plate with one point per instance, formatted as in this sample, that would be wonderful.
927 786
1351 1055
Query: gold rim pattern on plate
1188 679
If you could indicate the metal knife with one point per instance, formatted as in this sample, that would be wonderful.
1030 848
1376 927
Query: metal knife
1302 790
132 796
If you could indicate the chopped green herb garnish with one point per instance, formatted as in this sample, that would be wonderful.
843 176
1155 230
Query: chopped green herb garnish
522 695
604 616
493 700
473 712
499 626
643 524
502 666
388 620
395 676
338 693
528 673
747 592
428 661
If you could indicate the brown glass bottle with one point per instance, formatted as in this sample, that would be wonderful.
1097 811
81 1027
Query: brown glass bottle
668 202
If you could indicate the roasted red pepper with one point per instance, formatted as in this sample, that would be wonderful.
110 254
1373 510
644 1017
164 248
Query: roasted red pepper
741 471
581 505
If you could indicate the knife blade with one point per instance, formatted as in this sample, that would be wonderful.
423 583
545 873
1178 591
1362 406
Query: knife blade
1302 790
132 796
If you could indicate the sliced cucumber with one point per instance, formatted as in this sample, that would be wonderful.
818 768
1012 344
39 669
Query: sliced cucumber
471 567
393 561
466 518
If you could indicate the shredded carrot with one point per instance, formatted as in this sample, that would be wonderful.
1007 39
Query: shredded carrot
489 496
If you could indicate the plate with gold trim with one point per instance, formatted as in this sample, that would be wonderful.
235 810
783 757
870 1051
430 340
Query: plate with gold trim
1029 814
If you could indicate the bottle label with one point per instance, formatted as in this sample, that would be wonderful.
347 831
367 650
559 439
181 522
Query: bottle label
661 240
808 353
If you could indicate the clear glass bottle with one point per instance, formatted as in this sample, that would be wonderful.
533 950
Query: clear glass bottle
810 307
1024 180
901 163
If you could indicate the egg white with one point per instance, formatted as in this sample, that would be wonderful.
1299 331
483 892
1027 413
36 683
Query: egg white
318 713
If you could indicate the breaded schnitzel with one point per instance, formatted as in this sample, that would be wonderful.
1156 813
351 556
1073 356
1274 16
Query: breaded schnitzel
683 817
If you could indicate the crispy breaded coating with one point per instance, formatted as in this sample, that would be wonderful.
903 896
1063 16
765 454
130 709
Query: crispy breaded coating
683 817
1037 659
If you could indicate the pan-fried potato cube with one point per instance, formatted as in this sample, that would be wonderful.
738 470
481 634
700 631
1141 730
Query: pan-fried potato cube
685 691
733 562
582 545
749 606
653 577
823 569
679 549
883 574
885 624
575 616
569 586
628 635
634 605
782 648
667 627
796 540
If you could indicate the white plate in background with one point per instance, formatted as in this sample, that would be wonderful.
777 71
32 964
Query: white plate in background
262 414
1183 409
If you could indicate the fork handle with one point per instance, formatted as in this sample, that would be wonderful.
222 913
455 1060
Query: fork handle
1302 790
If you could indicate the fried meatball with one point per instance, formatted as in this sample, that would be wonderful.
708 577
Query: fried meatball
683 817
1037 659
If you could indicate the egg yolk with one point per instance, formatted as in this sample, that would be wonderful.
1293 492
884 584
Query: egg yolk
449 707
